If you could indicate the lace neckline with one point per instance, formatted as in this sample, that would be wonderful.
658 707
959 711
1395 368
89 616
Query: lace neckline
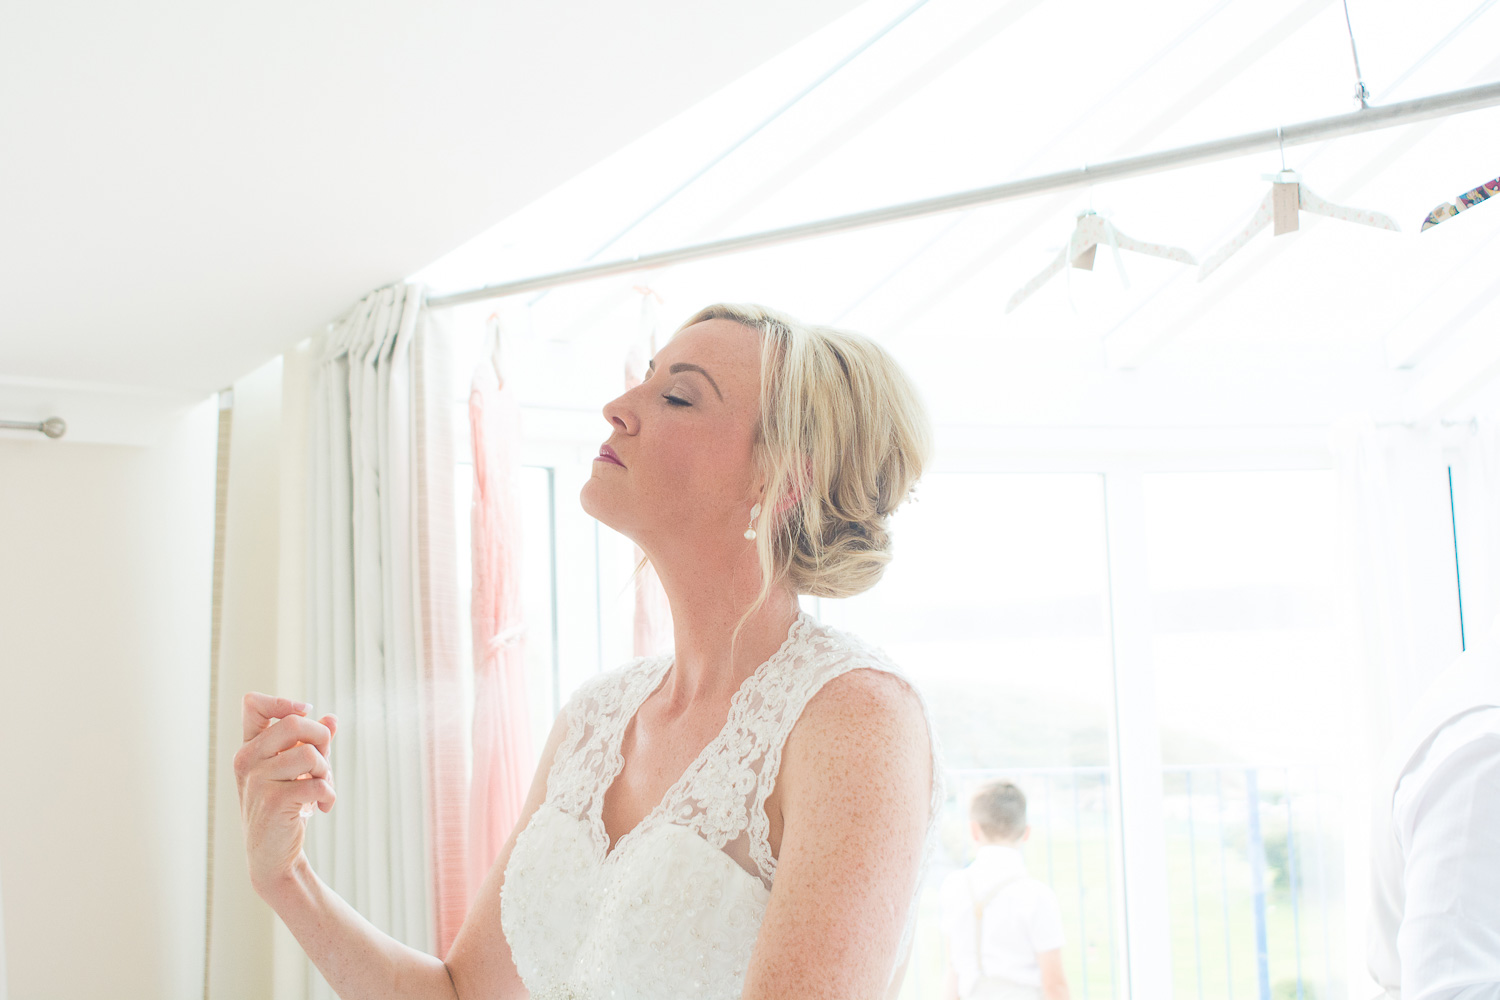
616 761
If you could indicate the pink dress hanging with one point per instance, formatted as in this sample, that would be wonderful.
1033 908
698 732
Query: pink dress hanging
502 734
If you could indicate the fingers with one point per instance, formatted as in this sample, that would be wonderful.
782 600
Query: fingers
283 735
260 710
332 722
293 795
292 764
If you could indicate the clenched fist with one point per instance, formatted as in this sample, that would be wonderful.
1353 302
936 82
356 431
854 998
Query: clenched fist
281 771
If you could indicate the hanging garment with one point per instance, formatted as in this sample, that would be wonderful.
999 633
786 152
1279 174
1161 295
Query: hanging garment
674 909
1468 199
502 732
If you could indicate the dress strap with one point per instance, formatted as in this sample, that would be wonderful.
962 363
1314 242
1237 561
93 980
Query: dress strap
828 653
595 711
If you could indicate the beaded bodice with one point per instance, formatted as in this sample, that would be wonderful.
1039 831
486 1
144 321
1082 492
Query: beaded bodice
674 908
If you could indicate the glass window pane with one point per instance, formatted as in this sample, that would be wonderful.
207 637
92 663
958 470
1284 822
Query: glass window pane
536 600
1247 662
996 604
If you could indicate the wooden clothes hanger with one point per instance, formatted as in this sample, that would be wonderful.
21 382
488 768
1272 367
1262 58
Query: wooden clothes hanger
1091 230
1281 204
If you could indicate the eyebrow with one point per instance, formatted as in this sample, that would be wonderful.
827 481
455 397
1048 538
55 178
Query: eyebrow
683 366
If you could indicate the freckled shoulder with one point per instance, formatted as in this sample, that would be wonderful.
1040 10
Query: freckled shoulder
862 706
865 732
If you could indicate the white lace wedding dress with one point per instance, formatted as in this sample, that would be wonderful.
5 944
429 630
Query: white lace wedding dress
673 910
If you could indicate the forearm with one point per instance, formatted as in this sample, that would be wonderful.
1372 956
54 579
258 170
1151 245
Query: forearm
356 958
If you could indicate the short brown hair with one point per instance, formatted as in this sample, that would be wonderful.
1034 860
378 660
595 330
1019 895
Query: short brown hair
999 808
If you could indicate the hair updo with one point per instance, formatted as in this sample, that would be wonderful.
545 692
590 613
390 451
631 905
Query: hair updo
843 430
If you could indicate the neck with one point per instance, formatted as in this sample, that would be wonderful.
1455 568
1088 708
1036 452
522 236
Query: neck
706 605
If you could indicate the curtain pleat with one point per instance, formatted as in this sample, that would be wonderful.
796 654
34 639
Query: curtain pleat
439 624
383 619
502 736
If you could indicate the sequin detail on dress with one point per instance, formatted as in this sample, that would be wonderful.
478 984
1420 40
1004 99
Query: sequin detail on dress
669 912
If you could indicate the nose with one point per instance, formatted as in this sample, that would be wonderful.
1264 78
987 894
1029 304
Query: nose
621 414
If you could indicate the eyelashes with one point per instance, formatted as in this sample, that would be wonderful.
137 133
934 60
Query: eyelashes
676 402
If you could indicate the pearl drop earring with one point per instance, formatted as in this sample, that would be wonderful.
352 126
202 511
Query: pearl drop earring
754 513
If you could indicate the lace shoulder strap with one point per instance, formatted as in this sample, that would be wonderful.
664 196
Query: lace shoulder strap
824 654
595 711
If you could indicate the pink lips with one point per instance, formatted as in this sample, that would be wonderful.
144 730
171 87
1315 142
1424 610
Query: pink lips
607 454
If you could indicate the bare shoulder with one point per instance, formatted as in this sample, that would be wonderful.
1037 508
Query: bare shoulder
855 785
866 699
866 719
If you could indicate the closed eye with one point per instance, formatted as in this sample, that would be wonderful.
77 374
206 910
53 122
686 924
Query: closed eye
676 402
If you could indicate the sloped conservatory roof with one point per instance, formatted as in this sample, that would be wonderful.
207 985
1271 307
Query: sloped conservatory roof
897 102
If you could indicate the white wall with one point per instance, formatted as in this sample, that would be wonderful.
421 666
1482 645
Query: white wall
243 929
106 560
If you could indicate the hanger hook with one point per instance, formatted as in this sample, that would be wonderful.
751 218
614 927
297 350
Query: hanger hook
1280 147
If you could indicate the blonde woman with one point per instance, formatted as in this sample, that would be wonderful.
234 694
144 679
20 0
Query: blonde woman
745 817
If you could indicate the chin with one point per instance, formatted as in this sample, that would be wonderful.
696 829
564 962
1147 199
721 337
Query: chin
590 501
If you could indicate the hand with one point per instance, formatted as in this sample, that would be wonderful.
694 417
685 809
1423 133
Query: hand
281 771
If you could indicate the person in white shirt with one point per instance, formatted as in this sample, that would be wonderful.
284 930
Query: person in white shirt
1002 927
1436 853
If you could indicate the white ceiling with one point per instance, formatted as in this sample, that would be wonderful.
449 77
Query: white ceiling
1336 321
187 189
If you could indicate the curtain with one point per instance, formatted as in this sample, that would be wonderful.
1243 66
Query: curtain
1403 619
1476 488
653 615
382 620
502 736
1396 507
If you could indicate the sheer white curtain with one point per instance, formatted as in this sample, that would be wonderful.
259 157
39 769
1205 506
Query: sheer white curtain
1400 556
1476 488
1403 615
382 617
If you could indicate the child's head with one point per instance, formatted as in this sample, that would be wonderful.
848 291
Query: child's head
997 814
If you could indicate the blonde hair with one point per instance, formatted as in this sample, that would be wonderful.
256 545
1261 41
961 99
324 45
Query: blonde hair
843 429
999 808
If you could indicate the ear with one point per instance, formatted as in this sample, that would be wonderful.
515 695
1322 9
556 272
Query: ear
793 495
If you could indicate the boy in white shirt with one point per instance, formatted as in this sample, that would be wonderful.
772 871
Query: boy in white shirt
1002 927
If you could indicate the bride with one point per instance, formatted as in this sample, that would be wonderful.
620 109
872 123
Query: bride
748 816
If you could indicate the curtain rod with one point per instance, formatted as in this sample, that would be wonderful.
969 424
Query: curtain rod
53 427
1365 120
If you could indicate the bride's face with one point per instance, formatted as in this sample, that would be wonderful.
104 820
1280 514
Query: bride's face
683 437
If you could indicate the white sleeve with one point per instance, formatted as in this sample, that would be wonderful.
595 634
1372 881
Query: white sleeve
1449 941
1045 926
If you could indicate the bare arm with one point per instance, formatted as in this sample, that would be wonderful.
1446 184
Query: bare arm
354 956
1054 981
855 786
